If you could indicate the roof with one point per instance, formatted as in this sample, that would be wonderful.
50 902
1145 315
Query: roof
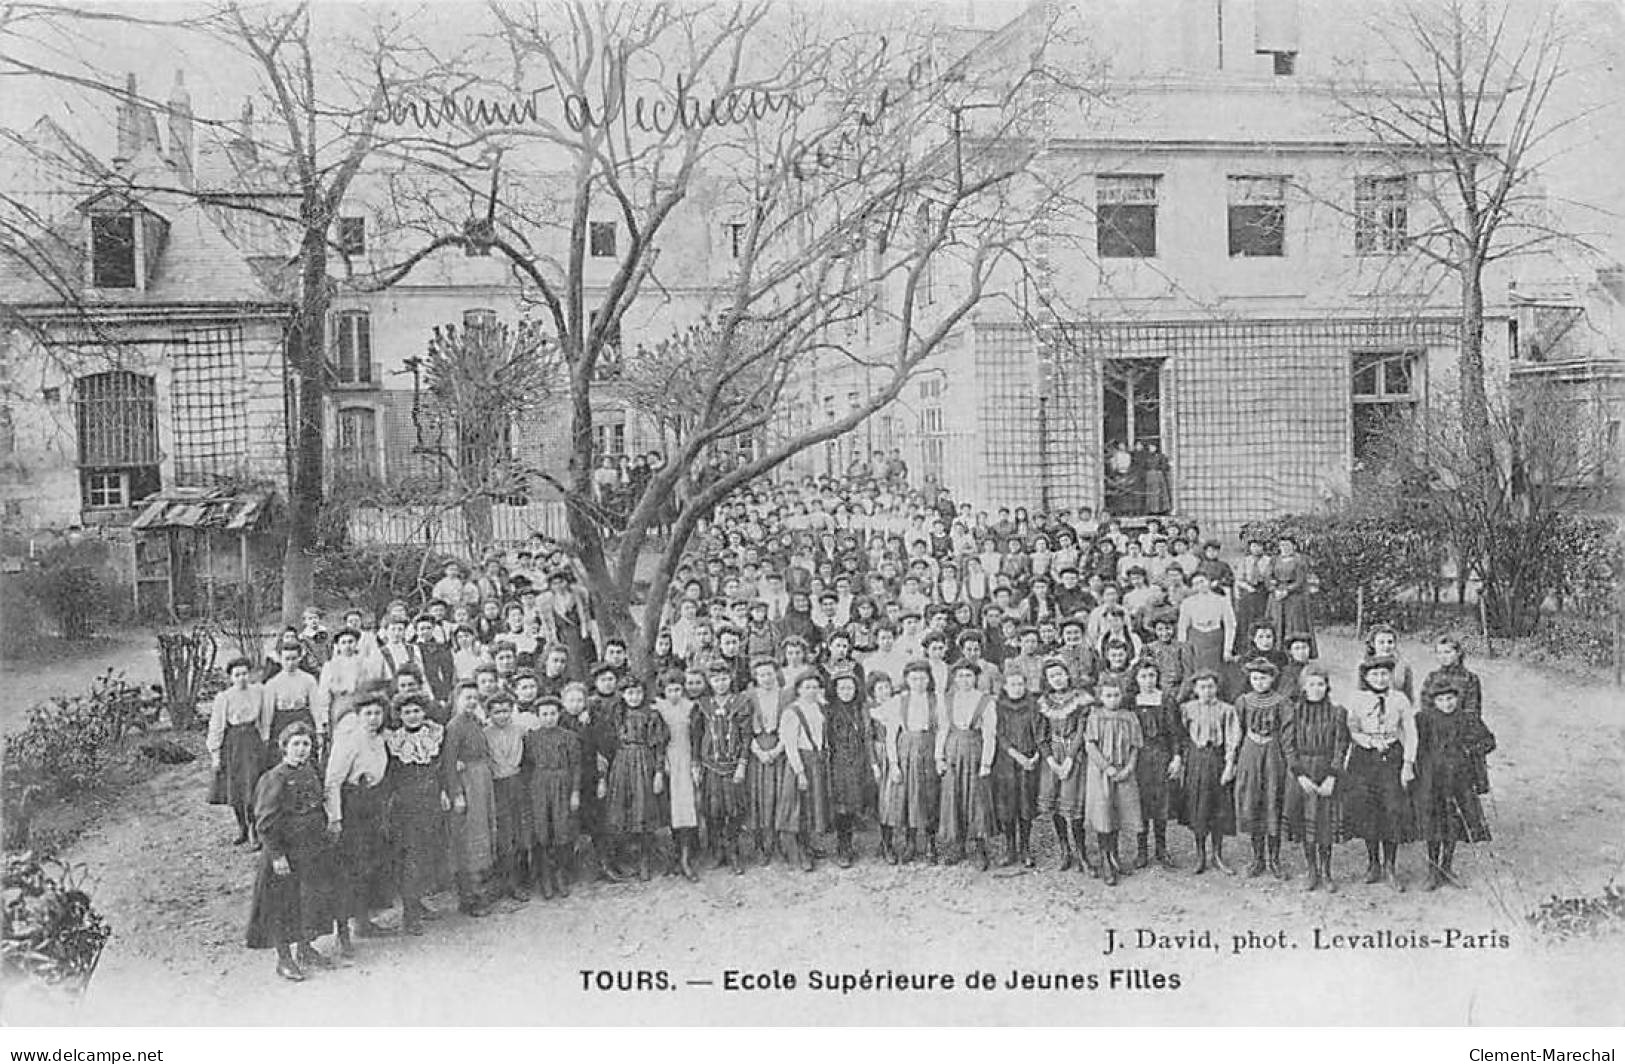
208 508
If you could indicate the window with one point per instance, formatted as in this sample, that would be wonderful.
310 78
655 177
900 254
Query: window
353 236
1126 216
1385 388
1380 215
601 239
736 238
116 415
352 347
608 435
1257 217
479 318
1286 63
1275 34
112 251
611 360
357 450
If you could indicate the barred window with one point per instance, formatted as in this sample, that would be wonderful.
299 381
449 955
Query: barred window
1257 217
116 414
1381 215
1126 216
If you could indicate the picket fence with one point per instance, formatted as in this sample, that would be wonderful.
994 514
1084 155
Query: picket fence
447 531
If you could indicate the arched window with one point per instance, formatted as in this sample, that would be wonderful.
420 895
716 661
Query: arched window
116 414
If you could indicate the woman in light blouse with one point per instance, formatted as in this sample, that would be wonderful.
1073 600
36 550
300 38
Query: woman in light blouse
345 673
239 731
355 800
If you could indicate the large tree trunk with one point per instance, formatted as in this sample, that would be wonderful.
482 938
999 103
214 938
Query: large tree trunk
1475 407
307 358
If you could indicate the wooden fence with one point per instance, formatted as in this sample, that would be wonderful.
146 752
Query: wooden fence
447 531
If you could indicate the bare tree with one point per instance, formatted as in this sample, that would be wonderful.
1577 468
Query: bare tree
868 219
1468 123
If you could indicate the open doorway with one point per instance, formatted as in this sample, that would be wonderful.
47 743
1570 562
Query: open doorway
1137 474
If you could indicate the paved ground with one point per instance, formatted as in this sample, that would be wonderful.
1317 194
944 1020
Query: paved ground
176 894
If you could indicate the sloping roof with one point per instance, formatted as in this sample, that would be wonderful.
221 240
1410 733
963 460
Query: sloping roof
206 508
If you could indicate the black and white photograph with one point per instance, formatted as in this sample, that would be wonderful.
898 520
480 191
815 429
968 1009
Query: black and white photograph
714 513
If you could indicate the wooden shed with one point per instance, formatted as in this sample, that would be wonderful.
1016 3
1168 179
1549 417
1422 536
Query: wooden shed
195 550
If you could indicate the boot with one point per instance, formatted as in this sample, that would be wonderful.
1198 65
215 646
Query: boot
1142 856
242 837
931 843
1160 831
561 872
1256 869
309 957
685 855
287 967
346 946
1447 866
1024 839
1117 861
956 854
1390 874
1063 835
888 845
645 846
1373 863
981 854
544 878
1277 869
1312 860
843 846
910 846
1108 858
764 852
1329 881
1010 851
1201 857
1218 856
736 854
1080 836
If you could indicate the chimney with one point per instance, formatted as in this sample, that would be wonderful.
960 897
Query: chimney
242 151
180 129
128 126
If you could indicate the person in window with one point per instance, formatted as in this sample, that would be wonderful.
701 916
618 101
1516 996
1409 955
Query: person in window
293 891
1158 480
239 729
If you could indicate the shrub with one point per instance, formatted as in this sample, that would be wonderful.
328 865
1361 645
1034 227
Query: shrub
370 576
64 745
52 932
1386 554
69 583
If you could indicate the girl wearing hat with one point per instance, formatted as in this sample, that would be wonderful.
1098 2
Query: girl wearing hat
1314 745
1260 767
1206 767
1061 780
239 729
1450 746
1453 668
1382 763
293 892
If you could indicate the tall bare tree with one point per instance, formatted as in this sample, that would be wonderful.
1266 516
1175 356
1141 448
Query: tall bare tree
875 191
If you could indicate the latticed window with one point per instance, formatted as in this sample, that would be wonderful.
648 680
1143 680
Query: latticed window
1385 388
1381 215
1257 216
117 419
352 347
1126 216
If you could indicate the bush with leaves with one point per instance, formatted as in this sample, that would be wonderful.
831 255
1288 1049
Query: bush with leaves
52 932
1389 555
63 747
69 583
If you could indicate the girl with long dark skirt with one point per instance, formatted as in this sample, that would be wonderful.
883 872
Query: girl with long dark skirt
1252 575
1449 746
1261 778
1061 781
966 745
634 808
914 795
293 893
239 729
1314 744
465 765
722 737
1382 763
356 798
1015 768
804 811
761 767
1158 713
1453 669
1210 737
551 765
417 807
847 734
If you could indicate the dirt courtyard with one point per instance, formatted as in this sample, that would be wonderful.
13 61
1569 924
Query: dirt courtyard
177 894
